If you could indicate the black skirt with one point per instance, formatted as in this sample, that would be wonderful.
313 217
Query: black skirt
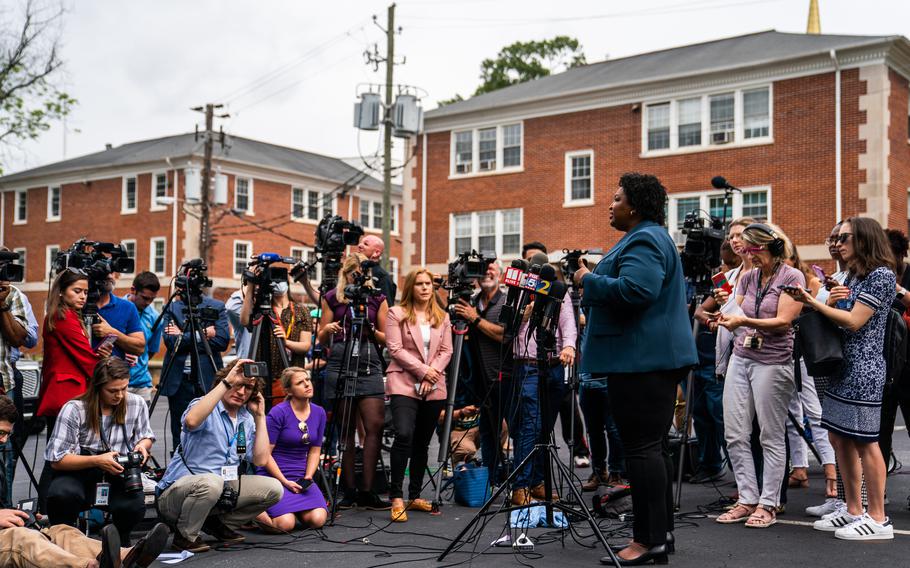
369 376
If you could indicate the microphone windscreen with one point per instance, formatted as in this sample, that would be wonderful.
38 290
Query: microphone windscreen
547 272
540 258
520 263
558 290
719 182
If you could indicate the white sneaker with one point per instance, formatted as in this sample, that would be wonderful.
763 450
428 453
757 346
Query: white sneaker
831 505
838 512
582 461
865 528
831 523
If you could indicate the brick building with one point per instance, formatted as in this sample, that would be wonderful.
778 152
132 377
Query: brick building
272 200
813 128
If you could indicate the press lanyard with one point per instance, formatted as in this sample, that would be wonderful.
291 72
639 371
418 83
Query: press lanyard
760 294
287 332
105 440
232 439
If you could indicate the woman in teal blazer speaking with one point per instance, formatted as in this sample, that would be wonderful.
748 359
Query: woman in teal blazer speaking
639 335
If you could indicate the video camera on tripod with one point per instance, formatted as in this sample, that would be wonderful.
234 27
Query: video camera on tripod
267 278
333 235
191 278
571 261
10 272
463 272
97 260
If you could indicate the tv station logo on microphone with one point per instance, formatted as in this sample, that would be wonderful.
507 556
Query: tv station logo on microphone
525 280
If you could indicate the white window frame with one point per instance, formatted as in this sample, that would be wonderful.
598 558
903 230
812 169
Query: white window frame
152 242
393 269
704 205
49 261
739 139
124 210
155 206
305 253
50 215
320 211
303 204
133 242
23 260
17 219
246 259
249 185
475 151
567 196
475 232
370 226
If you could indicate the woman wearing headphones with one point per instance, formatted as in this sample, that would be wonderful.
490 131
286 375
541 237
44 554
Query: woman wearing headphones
759 380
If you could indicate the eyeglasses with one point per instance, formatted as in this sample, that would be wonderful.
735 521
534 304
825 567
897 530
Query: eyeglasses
243 386
843 238
5 433
306 432
753 250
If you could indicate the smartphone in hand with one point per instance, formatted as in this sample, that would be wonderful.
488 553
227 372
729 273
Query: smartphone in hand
820 272
720 281
106 342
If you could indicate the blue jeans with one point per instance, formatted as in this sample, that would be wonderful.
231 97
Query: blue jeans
595 405
708 417
10 459
525 424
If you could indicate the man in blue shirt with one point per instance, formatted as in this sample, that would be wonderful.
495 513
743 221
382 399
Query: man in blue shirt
118 317
179 384
142 294
218 430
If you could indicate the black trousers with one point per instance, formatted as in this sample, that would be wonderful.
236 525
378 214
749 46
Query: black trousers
72 492
642 405
579 448
895 396
415 422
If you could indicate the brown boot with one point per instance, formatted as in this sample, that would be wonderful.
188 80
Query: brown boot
596 480
538 492
521 496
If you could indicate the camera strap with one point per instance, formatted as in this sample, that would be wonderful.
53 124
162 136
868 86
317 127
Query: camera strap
105 439
761 293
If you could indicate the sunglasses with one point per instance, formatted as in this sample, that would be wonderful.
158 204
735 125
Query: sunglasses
753 250
306 432
5 433
842 238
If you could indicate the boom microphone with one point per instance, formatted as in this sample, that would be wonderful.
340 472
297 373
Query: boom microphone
720 182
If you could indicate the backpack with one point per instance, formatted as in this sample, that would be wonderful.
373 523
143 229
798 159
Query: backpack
896 345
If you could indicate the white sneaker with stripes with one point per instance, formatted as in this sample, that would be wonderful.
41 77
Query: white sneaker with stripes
834 522
831 505
865 528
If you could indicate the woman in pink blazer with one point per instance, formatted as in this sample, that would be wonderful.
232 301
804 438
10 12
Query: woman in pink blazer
419 337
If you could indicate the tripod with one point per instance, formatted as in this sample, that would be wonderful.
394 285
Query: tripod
262 313
546 346
687 422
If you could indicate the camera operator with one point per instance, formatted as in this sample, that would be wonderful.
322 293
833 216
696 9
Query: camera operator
293 326
491 358
371 247
638 333
234 306
18 328
143 292
99 444
203 488
369 398
179 385
120 318
526 421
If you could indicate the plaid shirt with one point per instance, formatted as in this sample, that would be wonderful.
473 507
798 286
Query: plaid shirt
7 352
71 434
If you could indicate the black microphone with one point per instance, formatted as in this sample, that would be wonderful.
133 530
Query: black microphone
539 260
720 182
541 297
513 298
553 304
548 273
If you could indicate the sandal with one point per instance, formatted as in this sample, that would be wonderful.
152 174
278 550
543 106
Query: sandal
762 518
799 478
738 514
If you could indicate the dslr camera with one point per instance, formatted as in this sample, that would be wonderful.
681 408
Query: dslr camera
359 292
571 261
97 260
132 471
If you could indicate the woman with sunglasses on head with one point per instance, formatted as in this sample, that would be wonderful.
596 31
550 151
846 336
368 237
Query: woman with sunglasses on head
759 381
851 410
296 427
420 341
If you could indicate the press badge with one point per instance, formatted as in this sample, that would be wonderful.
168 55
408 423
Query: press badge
229 472
102 493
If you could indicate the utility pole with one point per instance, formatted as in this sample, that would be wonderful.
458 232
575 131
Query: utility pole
205 228
387 139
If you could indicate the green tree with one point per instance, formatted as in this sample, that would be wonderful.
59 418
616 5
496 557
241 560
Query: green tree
29 61
524 61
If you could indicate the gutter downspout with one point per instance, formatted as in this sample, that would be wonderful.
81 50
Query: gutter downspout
174 217
837 138
423 202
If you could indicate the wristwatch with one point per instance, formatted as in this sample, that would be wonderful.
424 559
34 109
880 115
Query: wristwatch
476 321
226 384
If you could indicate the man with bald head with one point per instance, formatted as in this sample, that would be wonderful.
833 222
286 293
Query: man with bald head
372 246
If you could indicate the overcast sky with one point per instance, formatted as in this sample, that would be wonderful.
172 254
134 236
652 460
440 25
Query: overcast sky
289 71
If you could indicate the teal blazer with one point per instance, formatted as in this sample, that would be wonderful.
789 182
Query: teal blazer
637 319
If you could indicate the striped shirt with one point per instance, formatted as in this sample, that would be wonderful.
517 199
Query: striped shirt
16 302
72 435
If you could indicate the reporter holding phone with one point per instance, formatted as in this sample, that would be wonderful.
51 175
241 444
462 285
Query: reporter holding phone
296 428
851 410
419 338
759 381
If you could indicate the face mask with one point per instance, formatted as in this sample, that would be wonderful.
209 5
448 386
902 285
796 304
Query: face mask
280 288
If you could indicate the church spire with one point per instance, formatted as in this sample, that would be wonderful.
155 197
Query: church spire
814 26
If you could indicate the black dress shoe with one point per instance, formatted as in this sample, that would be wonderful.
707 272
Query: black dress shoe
109 557
655 554
671 545
373 502
348 500
147 548
220 531
195 546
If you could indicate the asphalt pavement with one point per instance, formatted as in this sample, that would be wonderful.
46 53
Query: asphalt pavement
363 538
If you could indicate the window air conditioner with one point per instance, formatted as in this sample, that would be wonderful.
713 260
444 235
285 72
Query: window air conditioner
724 137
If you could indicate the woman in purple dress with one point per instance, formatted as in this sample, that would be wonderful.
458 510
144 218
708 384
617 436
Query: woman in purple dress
295 432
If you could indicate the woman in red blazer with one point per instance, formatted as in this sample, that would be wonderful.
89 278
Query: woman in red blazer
69 360
419 337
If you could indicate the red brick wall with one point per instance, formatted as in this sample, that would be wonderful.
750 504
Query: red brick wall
799 166
899 160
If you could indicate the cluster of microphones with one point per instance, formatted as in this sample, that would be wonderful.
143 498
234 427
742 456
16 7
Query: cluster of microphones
536 282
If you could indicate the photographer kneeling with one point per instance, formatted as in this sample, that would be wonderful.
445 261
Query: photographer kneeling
202 488
99 444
